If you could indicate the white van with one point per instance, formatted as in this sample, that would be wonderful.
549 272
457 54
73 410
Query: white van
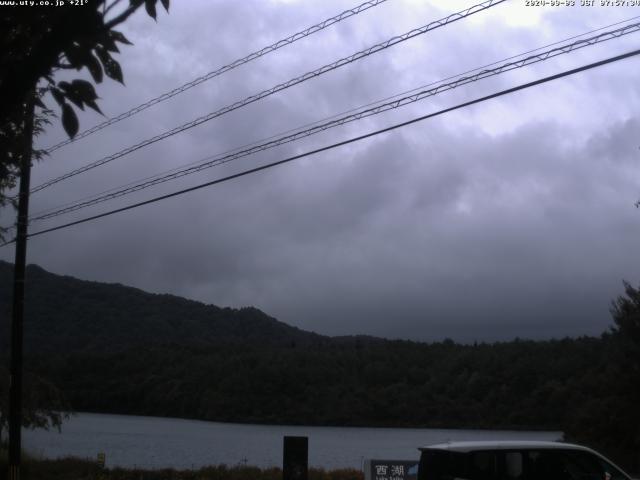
515 460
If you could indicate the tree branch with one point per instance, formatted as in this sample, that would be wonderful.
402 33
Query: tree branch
113 4
122 17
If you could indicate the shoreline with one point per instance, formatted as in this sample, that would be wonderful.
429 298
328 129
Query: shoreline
156 442
513 428
73 468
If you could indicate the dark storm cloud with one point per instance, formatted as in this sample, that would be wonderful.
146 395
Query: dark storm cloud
513 218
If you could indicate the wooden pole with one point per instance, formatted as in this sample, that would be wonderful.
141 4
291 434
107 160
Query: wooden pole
17 319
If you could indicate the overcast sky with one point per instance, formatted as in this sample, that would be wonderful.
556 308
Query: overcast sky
513 217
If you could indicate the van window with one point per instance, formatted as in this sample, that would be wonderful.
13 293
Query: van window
445 465
482 466
542 464
438 465
513 466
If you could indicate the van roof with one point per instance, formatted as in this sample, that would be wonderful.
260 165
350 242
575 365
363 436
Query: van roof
501 445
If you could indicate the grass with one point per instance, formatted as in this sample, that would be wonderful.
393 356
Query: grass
80 469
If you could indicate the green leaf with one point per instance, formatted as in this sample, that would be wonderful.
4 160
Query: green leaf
69 120
80 93
93 105
119 37
58 96
111 67
150 6
85 91
94 67
71 95
75 100
109 43
114 71
74 56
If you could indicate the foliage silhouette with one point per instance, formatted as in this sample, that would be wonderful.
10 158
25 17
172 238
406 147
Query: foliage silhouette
36 42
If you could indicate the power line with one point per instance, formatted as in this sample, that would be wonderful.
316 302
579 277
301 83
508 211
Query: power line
224 69
397 103
342 143
336 115
317 122
265 93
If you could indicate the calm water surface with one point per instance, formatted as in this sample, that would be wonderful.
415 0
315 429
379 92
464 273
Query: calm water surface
149 442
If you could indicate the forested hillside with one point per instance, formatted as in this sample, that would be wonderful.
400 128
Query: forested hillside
71 315
518 384
117 349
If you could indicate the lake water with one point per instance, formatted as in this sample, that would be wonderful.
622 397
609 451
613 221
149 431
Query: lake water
149 442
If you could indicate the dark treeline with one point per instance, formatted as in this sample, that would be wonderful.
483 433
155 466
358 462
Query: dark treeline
563 385
115 349
518 384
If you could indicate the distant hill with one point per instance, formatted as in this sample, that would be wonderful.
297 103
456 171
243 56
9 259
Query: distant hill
64 314
117 349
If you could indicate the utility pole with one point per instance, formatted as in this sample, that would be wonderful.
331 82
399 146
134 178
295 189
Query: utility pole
17 320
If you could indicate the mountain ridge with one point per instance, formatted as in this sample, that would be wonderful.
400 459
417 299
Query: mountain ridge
66 313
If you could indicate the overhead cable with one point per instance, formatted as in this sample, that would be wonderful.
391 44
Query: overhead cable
265 93
325 119
342 143
367 112
224 69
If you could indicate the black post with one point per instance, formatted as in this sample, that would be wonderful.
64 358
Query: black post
15 385
295 461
